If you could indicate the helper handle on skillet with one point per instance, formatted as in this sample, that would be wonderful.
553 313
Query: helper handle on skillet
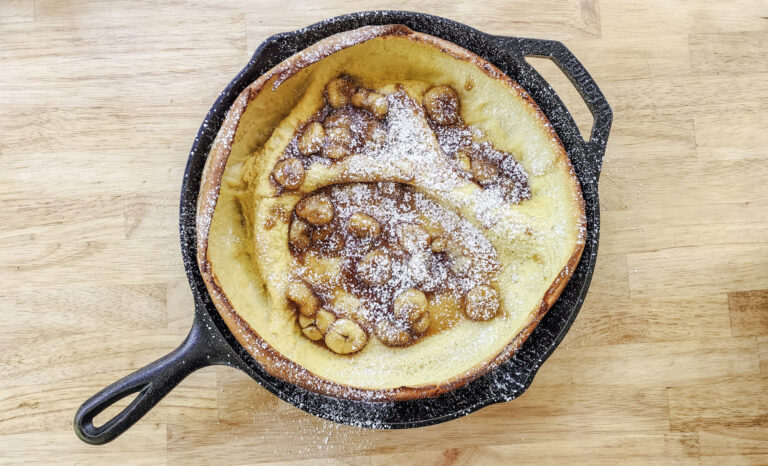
152 383
584 84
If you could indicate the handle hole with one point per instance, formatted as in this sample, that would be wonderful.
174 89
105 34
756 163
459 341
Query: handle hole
111 411
567 93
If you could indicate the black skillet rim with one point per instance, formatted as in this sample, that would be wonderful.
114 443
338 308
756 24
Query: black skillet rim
514 376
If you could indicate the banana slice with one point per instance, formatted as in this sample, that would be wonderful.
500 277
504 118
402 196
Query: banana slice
324 319
345 336
313 333
311 140
304 298
392 334
317 209
482 303
412 237
442 105
289 173
338 92
411 307
375 268
363 225
298 234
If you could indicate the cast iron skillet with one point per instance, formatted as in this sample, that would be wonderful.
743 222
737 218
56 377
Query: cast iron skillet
210 342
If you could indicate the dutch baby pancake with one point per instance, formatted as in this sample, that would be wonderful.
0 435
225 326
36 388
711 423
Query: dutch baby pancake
386 216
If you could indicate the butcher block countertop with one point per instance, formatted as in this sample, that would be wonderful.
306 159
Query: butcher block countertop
666 363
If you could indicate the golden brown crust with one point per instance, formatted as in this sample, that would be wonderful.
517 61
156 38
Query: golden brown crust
272 361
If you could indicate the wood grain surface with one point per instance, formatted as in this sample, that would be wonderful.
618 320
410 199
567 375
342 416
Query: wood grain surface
667 362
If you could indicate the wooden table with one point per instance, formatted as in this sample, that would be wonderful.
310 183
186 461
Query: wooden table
667 362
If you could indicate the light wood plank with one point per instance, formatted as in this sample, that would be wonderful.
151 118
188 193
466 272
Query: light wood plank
742 403
592 449
749 312
84 218
757 460
658 364
180 304
111 57
17 11
696 184
734 441
77 309
637 229
698 269
612 320
144 445
152 215
731 136
729 52
673 139
622 18
687 95
130 262
610 277
51 406
80 356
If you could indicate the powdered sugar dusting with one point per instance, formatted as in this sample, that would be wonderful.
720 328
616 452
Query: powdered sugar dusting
464 260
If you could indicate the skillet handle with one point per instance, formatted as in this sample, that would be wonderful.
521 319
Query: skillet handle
152 383
587 88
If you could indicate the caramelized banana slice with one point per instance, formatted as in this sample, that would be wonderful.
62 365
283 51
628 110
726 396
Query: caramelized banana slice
438 244
421 325
363 225
392 334
309 328
324 319
413 238
305 321
298 234
463 159
338 143
289 173
375 268
312 333
317 209
481 303
411 306
305 299
484 171
442 105
345 336
338 92
372 101
311 140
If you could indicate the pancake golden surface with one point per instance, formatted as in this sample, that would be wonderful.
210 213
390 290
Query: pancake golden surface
386 216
